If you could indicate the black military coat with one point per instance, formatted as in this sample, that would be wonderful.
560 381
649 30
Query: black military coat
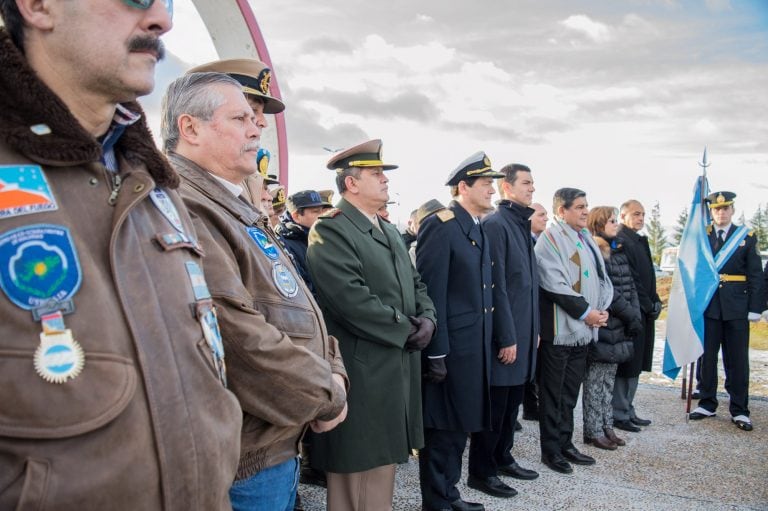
515 292
454 262
735 300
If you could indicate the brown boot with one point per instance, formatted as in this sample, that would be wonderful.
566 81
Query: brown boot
600 442
613 438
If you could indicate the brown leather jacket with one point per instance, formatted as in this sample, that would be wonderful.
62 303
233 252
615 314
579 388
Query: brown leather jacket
147 424
279 354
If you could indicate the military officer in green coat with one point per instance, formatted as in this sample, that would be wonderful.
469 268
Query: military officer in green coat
376 305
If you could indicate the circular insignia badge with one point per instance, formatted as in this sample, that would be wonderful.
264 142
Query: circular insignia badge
263 241
284 280
59 357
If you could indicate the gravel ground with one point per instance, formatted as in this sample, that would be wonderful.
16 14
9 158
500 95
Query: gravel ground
670 465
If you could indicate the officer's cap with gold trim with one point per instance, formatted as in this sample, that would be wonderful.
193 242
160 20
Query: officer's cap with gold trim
327 196
252 74
477 165
367 154
720 199
278 196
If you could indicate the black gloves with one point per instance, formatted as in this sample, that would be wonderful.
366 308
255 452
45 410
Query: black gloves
656 310
435 371
421 333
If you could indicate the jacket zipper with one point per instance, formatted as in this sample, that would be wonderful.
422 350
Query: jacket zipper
115 183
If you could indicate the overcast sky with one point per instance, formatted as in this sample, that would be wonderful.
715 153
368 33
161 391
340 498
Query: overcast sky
618 98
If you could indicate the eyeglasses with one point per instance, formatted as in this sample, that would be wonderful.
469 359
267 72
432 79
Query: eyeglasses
146 4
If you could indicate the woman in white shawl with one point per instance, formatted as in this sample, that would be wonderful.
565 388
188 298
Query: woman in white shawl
575 293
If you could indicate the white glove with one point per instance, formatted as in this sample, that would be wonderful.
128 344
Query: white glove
765 315
754 317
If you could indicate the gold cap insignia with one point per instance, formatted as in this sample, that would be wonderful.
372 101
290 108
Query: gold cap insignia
264 77
720 198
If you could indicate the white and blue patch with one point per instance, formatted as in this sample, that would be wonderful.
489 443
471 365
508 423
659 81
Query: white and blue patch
284 280
59 357
197 279
163 202
24 190
39 265
262 240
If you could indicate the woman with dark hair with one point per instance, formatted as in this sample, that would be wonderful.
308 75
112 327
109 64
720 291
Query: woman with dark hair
614 341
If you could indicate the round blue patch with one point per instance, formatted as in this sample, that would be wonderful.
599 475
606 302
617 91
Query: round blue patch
284 280
262 240
38 265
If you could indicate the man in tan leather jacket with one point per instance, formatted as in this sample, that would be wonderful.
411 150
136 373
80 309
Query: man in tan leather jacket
111 396
281 362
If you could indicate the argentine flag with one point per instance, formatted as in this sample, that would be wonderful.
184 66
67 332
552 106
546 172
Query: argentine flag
693 285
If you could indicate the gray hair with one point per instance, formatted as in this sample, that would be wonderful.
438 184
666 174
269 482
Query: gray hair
194 95
341 177
565 197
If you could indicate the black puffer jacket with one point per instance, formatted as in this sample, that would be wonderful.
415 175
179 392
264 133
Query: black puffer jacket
614 344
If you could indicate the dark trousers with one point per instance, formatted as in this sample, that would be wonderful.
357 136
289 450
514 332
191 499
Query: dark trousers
562 372
440 467
733 336
490 450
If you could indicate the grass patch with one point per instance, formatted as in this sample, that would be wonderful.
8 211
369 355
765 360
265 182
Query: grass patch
758 332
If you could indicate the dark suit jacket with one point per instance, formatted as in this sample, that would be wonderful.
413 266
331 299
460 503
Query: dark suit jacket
734 300
454 262
515 292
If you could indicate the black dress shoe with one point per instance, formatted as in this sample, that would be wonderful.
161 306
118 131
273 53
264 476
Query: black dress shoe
700 413
742 422
557 463
573 455
695 394
463 505
492 486
518 472
518 426
637 421
626 426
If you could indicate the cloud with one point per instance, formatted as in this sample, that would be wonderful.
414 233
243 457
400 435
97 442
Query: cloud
718 5
584 25
325 44
307 134
406 105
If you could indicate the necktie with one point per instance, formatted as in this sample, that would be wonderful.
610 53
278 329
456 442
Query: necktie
720 239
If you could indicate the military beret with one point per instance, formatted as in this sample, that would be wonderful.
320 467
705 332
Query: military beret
477 165
720 199
367 154
252 74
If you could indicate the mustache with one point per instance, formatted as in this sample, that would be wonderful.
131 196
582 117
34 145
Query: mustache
251 146
148 42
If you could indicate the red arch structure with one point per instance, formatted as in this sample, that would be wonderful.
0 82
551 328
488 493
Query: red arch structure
236 34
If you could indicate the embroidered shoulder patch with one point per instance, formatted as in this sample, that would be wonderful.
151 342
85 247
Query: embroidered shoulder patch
445 214
24 190
333 213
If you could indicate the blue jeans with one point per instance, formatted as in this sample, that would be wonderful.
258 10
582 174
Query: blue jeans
272 489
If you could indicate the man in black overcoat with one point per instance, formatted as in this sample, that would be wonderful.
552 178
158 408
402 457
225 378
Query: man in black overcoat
453 258
515 331
632 217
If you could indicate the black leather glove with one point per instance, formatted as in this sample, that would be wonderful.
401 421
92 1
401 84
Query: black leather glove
435 371
634 327
419 339
656 310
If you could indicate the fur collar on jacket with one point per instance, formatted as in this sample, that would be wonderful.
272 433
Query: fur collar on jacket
26 101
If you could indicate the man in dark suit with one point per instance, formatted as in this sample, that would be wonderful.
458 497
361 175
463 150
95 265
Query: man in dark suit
515 331
454 261
374 302
632 217
737 300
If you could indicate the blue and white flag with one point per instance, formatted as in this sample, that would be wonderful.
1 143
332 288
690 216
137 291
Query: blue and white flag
693 285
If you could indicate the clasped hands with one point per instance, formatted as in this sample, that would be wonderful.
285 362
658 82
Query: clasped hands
596 318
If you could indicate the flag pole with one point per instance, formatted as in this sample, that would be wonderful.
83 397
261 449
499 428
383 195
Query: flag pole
689 394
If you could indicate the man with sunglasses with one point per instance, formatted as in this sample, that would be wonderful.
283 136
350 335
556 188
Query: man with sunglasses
112 379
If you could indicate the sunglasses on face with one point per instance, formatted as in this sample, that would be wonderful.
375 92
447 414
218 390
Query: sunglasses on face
146 4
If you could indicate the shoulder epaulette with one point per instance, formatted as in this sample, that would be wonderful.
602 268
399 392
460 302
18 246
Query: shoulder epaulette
445 215
331 214
751 232
709 229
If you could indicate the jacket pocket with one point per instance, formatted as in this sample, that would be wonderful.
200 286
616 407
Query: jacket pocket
463 320
35 485
297 323
35 409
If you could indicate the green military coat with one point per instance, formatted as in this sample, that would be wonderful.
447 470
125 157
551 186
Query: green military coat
367 288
